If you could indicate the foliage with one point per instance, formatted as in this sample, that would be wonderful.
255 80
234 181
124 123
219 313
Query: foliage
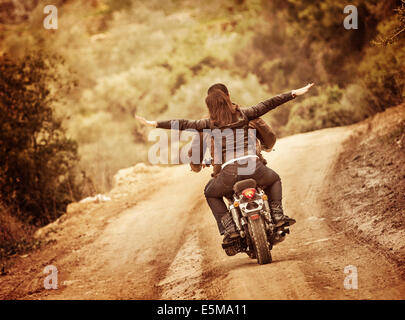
383 72
37 160
397 29
157 58
319 111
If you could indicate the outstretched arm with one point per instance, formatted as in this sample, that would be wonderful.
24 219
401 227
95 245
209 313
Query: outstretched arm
265 106
180 124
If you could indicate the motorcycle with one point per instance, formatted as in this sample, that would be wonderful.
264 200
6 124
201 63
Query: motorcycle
250 211
251 214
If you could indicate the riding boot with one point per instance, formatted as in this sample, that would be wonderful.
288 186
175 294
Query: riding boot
230 228
278 216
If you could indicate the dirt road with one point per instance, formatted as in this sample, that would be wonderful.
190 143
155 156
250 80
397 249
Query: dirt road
167 246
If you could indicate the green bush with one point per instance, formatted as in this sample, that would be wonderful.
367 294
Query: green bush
383 73
319 111
37 160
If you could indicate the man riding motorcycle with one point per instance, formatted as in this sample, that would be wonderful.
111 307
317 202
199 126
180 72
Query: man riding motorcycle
265 140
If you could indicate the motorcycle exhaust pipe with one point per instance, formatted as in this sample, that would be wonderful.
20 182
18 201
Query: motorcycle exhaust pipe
281 233
280 236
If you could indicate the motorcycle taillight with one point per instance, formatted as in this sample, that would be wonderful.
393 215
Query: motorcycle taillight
249 193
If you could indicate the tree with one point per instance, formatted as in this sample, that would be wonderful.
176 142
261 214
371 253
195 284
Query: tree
397 30
37 160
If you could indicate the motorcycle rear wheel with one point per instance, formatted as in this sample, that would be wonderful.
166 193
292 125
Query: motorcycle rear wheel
259 238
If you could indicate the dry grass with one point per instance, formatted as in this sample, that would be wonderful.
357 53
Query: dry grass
15 237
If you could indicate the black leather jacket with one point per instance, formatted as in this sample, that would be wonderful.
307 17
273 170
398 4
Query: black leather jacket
236 132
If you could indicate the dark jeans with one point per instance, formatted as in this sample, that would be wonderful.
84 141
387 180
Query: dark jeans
222 185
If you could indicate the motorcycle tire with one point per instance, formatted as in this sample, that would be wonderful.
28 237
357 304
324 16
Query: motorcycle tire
259 238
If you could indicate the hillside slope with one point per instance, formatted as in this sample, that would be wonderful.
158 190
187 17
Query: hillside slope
368 187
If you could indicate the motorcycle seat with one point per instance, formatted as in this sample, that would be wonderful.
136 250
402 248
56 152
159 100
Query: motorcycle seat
244 184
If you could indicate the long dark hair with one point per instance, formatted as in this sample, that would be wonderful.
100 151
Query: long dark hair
220 108
218 86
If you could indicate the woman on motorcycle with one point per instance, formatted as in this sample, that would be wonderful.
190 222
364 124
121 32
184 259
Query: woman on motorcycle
238 158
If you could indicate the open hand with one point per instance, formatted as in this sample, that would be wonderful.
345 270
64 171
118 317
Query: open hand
146 122
303 90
